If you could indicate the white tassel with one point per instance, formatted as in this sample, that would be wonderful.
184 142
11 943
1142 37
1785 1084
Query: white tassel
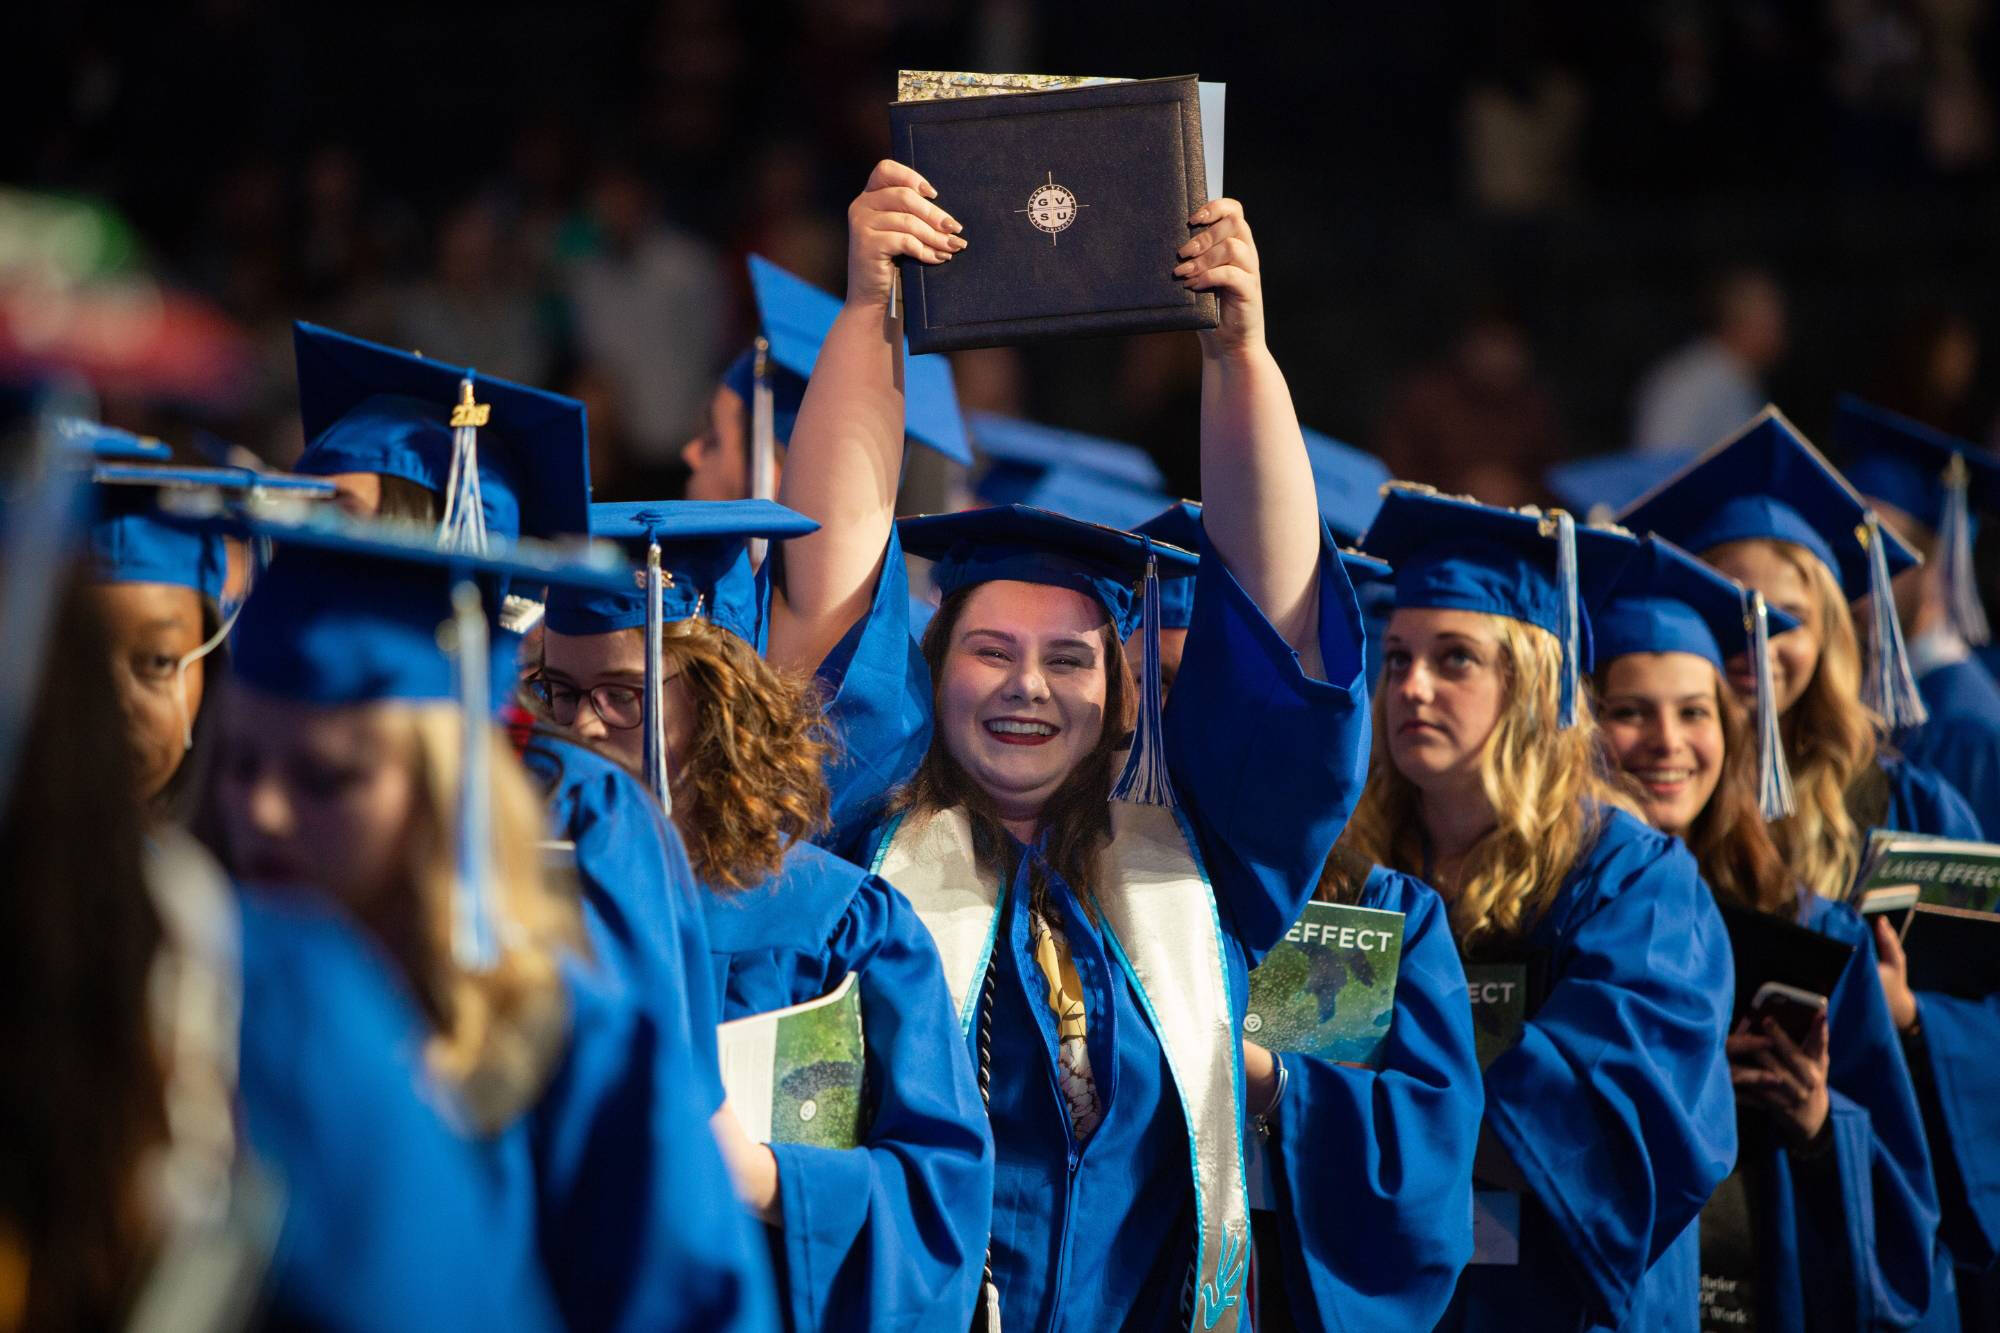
463 525
1960 579
763 440
654 713
1570 620
1891 688
1774 774
1145 780
473 940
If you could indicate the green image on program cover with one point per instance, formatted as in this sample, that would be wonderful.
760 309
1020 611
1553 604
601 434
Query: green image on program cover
817 1076
1499 997
1329 988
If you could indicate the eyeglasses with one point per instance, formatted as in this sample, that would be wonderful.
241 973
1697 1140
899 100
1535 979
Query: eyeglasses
620 707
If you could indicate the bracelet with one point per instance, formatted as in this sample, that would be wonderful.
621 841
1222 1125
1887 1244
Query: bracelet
1260 1123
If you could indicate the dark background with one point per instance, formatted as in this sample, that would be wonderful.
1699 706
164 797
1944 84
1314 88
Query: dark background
444 167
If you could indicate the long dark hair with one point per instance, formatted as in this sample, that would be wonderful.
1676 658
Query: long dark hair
81 1104
1729 837
1077 816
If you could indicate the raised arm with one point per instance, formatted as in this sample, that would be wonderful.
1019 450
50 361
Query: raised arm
1258 502
846 450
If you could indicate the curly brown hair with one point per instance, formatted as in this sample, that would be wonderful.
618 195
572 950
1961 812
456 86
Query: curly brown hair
1077 816
753 778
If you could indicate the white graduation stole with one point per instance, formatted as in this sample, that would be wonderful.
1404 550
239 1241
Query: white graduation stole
1161 926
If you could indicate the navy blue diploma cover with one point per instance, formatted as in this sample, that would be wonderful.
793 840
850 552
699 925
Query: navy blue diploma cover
1074 204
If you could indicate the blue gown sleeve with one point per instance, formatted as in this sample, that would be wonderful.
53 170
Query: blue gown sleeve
1957 1055
639 1223
1922 802
1616 1102
1886 1227
878 694
390 1217
1375 1233
892 1234
1267 763
641 903
1961 742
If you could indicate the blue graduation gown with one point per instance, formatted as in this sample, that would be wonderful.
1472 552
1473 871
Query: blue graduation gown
1615 1103
1961 742
390 1217
1847 1241
1267 764
892 1233
1371 1169
1922 802
641 903
616 1171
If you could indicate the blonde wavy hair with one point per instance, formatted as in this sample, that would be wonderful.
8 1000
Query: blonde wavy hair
496 1035
753 778
1548 787
1831 738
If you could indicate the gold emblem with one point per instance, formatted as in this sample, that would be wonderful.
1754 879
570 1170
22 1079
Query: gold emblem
469 413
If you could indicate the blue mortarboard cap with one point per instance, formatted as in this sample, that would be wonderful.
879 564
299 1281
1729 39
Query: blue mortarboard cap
796 317
1349 482
107 442
1935 478
787 392
1180 524
1908 464
704 554
1094 498
1458 554
1016 542
370 408
1018 454
1666 601
1768 482
1600 487
140 535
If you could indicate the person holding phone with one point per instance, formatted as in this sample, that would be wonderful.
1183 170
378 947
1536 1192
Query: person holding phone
1829 1219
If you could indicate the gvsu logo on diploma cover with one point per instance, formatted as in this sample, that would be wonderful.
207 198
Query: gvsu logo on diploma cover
1051 208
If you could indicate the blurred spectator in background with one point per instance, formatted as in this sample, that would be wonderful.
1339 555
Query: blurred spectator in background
650 305
1929 372
477 306
1523 123
1477 423
1699 394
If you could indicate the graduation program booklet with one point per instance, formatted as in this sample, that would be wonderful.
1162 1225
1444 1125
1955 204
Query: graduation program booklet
1074 194
1947 893
794 1075
1499 996
1328 989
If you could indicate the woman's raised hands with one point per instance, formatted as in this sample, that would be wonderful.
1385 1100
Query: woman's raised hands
894 216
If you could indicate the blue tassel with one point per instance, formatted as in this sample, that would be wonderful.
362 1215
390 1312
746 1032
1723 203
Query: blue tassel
1145 780
1775 796
654 717
1891 688
463 526
473 938
1960 579
1570 620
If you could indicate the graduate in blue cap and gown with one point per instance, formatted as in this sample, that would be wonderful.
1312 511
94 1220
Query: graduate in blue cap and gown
358 760
889 1232
1096 915
1609 1119
1376 1241
1929 487
1830 1219
1767 509
160 587
226 1113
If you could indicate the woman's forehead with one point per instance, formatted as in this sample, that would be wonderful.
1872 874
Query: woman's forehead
1428 622
585 655
1032 610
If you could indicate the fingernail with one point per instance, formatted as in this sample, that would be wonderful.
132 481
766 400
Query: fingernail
951 224
959 242
928 190
1198 215
1182 270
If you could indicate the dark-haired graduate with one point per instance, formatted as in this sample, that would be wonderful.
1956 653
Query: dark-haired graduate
358 763
888 1233
1373 1239
1609 1119
1095 925
1830 1220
